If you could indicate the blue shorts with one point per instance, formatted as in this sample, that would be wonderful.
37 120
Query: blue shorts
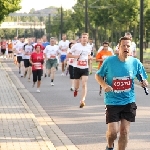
62 58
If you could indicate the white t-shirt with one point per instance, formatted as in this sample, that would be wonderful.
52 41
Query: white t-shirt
19 48
109 49
133 48
84 52
63 45
51 51
28 49
92 46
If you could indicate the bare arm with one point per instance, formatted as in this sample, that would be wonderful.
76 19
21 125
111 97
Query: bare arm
69 55
98 60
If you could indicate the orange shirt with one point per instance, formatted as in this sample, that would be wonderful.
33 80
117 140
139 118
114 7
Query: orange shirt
103 54
10 46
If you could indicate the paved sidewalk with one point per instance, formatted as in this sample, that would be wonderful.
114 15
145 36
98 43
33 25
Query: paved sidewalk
24 122
19 129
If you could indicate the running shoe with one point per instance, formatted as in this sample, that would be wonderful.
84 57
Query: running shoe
38 90
110 148
71 89
62 74
82 104
52 84
75 93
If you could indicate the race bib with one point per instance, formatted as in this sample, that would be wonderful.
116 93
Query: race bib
121 84
82 63
37 65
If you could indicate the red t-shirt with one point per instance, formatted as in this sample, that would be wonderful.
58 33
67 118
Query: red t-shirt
37 59
3 45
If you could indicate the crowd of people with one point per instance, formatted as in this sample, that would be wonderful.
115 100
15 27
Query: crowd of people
117 70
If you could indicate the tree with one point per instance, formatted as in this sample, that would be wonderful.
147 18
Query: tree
8 6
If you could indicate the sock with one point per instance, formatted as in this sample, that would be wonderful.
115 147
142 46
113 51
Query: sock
52 80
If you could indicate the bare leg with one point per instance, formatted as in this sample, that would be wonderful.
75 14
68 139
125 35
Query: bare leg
22 67
76 84
52 73
38 84
124 132
111 133
29 72
84 87
63 67
72 83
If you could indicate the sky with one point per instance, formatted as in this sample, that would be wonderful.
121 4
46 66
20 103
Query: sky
41 4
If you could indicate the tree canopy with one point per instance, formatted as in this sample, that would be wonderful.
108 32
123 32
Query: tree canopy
107 20
8 6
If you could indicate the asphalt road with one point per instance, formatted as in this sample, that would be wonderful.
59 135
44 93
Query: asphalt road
86 127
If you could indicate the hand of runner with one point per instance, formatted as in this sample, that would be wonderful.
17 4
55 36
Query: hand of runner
144 83
108 89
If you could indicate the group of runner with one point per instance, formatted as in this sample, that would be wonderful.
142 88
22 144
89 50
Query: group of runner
116 73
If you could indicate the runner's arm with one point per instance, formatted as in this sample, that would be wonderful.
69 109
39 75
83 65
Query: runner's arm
104 85
70 55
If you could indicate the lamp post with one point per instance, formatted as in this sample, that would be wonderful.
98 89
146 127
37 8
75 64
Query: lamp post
141 30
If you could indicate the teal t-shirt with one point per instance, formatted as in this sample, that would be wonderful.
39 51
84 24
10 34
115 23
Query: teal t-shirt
120 76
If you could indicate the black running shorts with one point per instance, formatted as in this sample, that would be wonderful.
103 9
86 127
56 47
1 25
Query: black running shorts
19 59
78 73
114 113
71 72
27 63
